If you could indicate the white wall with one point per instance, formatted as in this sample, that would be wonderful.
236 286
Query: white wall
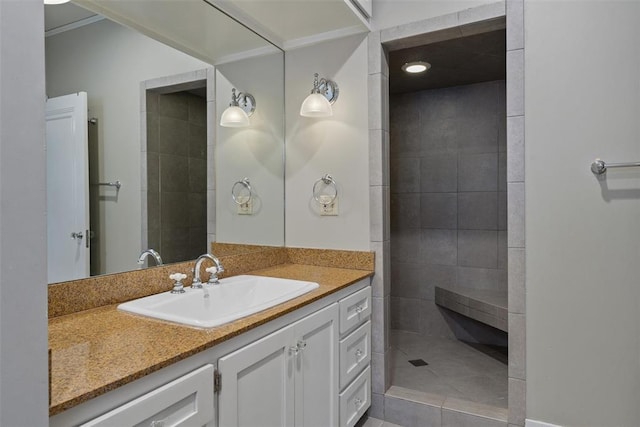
23 235
582 101
337 145
109 61
389 13
255 152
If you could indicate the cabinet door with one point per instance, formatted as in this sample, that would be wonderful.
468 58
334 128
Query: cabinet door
316 397
257 383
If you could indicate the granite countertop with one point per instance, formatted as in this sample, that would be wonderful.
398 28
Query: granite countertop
97 350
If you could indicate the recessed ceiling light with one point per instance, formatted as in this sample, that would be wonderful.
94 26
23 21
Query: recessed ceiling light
416 67
55 1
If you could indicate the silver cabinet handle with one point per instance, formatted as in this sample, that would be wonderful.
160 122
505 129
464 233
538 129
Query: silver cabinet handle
358 354
358 403
79 235
359 309
302 345
294 350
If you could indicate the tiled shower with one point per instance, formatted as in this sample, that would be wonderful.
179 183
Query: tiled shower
177 175
448 231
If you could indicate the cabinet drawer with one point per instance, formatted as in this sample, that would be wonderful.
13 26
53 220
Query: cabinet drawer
187 401
356 399
355 353
355 309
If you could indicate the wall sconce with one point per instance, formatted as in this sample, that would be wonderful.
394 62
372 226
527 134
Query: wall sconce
239 110
318 104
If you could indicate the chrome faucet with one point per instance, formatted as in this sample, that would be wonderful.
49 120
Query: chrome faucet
147 253
197 283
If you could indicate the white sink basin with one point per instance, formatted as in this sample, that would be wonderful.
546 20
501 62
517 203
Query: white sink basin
234 298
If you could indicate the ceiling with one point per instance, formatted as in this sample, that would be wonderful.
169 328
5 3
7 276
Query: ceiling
56 16
465 60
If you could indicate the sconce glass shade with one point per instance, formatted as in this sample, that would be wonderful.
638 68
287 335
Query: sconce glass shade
234 117
56 1
316 105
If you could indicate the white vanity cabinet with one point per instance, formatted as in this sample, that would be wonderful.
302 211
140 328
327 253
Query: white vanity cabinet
355 356
288 378
184 402
310 367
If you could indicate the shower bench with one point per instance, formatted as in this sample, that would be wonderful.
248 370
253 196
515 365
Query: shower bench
485 306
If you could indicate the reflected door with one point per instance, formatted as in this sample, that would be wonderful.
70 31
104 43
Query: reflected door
67 188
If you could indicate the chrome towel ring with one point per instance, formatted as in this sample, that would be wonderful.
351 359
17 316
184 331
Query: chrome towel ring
320 196
238 188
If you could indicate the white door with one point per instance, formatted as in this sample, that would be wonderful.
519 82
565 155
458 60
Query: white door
316 373
257 383
67 188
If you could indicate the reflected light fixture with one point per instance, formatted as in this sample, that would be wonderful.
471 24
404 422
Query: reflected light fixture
318 103
56 1
239 110
416 67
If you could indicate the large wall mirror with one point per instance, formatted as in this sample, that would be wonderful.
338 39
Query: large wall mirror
157 77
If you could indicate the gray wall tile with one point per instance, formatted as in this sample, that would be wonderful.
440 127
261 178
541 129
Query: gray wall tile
517 401
478 248
377 406
479 278
378 334
438 173
171 136
405 246
405 313
478 172
515 83
517 289
515 214
405 175
379 157
478 211
438 210
502 250
517 346
381 281
460 419
411 414
502 210
515 152
515 24
435 321
405 211
439 246
174 105
174 173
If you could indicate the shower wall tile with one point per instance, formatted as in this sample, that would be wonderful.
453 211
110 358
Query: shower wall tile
151 101
438 210
435 321
405 246
515 153
502 171
502 250
478 211
517 276
174 173
405 314
379 337
174 105
379 157
502 210
152 132
197 108
153 172
515 24
171 136
405 142
515 215
197 210
515 83
517 401
381 281
197 175
408 280
197 141
439 173
438 135
405 175
439 246
478 278
478 172
172 209
517 346
478 248
405 211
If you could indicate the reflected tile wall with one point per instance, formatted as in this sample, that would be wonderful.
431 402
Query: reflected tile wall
177 175
448 198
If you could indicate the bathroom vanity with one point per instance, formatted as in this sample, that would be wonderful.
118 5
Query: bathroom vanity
303 362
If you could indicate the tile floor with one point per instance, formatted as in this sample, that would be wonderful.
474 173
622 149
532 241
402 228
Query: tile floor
374 422
455 369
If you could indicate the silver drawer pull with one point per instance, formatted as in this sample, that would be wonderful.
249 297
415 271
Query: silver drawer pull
358 354
358 403
359 309
302 345
294 350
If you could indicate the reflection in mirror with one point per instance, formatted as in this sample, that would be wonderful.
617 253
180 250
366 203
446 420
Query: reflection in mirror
109 62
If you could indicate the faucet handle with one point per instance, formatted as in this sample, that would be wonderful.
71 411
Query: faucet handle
213 274
178 287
